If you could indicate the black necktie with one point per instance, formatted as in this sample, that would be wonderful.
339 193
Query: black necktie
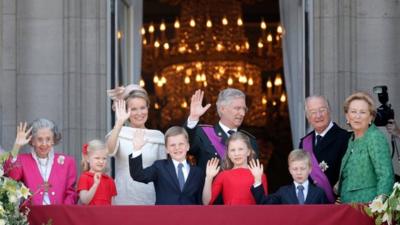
230 132
319 137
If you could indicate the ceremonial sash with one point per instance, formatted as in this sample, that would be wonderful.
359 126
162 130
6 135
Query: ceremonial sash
215 140
317 174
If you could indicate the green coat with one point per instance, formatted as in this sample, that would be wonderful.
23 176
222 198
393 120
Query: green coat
366 169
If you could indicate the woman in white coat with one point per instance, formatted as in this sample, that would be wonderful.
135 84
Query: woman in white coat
131 105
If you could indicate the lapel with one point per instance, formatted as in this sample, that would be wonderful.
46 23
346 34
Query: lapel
190 177
310 194
327 139
220 133
292 194
35 171
346 155
54 170
170 168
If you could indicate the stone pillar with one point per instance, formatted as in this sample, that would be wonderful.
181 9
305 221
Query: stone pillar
54 65
356 47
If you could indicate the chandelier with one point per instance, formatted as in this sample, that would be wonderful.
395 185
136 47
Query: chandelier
207 48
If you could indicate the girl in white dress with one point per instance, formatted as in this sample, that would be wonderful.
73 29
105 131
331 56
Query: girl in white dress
131 105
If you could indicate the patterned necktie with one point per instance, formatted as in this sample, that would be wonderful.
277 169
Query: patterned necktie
300 194
181 178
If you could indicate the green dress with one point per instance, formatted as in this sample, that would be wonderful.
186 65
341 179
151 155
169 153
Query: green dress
366 169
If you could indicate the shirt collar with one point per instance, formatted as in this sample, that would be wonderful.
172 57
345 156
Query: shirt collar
185 164
36 157
226 129
305 184
323 133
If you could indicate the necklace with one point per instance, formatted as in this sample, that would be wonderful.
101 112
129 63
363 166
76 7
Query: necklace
43 173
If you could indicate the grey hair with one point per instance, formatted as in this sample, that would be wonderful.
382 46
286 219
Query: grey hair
227 95
45 123
309 98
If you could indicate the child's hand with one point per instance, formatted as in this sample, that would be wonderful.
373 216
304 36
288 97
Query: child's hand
212 168
138 139
257 169
23 135
96 178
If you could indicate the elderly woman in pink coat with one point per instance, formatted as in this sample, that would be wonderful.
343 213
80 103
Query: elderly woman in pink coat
50 176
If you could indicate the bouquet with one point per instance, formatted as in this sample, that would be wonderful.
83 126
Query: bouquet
386 209
12 194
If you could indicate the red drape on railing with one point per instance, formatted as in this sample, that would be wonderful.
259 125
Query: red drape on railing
199 215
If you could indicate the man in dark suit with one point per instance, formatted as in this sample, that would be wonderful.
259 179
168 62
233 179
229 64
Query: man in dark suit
175 181
327 144
208 141
300 192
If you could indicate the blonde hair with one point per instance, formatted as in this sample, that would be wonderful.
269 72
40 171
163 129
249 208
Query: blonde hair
227 163
175 131
361 96
93 145
299 155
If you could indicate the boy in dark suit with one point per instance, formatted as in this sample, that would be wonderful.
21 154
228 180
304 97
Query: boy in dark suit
175 181
300 192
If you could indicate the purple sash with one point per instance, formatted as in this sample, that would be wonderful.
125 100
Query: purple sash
317 174
215 140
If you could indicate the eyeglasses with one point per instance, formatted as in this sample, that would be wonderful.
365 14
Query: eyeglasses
315 112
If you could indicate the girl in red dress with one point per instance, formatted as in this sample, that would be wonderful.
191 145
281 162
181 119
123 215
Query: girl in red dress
94 186
235 181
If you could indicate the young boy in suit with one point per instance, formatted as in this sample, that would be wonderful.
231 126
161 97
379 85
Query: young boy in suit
300 192
176 182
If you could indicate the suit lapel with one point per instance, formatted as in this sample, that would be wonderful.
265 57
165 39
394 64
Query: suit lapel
170 168
220 133
54 170
36 171
292 194
310 193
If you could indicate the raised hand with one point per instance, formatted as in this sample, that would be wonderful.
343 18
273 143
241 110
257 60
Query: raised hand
138 139
212 168
196 108
23 135
257 169
121 113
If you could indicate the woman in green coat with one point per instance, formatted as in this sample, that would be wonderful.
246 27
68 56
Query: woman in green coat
366 169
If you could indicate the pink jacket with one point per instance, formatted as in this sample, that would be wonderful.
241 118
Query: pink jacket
62 178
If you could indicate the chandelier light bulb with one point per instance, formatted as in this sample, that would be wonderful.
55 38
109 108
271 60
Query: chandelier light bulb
224 21
187 80
263 25
198 78
184 104
156 106
274 103
278 80
269 84
163 80
177 25
162 26
250 82
209 23
283 97
269 38
264 100
205 84
156 44
144 41
260 44
279 29
151 28
247 45
192 22
166 46
230 81
119 35
239 22
155 79
141 83
143 31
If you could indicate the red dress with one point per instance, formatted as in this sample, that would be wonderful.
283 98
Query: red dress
105 191
235 186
